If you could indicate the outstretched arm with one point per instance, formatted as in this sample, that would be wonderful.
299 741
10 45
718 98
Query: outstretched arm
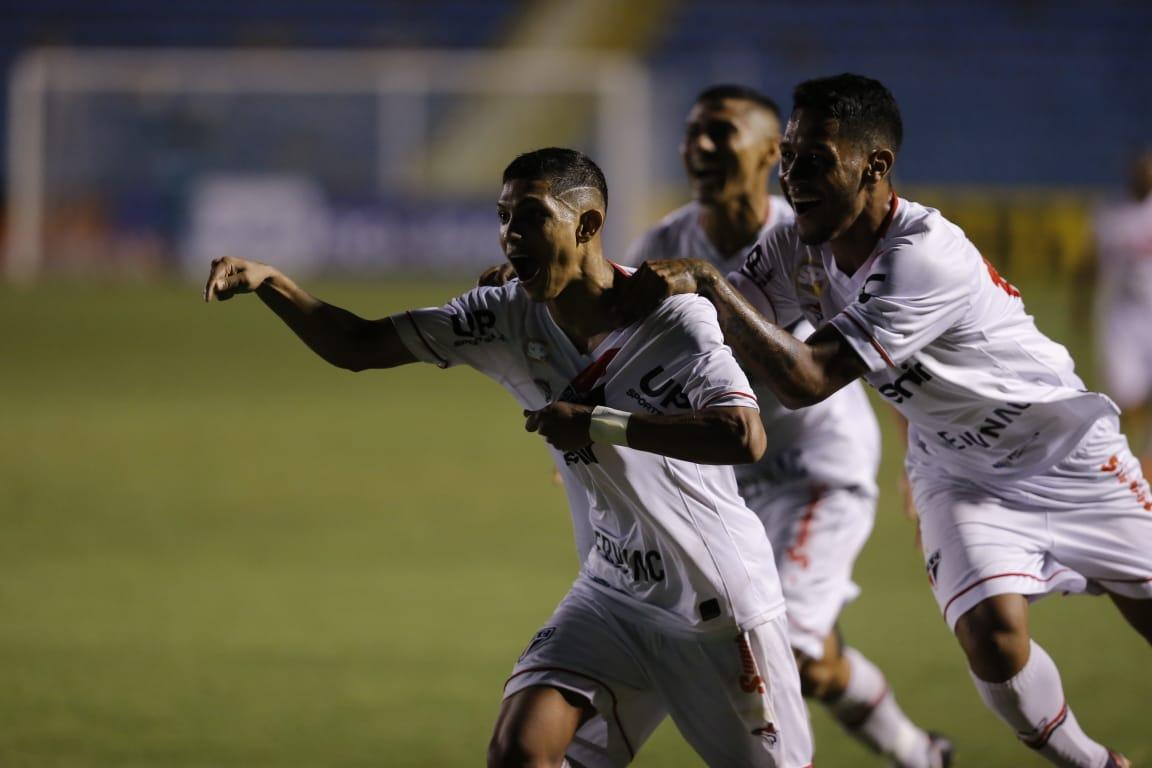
344 339
799 373
719 435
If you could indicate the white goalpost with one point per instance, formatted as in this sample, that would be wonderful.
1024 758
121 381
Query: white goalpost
337 156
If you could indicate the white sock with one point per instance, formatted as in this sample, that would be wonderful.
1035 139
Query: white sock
868 711
1033 704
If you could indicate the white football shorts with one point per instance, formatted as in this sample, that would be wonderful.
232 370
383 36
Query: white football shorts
816 533
1084 525
735 699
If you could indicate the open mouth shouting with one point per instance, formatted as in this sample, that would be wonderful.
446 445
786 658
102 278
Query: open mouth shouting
802 204
526 267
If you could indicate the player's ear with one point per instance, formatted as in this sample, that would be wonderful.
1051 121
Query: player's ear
879 165
589 225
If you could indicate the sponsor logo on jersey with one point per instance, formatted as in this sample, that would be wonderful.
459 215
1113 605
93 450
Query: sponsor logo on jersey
899 389
585 456
639 565
538 640
1136 483
989 431
756 268
669 393
476 327
864 296
932 566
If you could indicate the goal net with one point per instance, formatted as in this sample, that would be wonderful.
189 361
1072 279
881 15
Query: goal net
156 161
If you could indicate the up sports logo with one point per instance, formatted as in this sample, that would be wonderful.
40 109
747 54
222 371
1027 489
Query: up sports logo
475 327
665 394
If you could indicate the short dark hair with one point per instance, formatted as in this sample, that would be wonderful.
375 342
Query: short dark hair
735 92
563 169
865 108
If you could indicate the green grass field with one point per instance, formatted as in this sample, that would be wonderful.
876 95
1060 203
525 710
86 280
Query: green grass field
215 550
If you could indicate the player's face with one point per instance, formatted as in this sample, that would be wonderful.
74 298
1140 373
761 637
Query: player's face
727 144
822 174
538 235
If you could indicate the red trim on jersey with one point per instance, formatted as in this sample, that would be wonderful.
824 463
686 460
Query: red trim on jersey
726 394
875 344
973 586
796 552
884 225
1041 739
605 686
423 340
588 377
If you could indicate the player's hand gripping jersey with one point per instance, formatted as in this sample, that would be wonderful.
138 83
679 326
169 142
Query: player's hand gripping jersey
945 337
673 541
835 443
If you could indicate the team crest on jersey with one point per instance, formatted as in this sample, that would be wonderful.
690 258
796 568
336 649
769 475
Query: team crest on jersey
811 282
536 350
538 640
932 567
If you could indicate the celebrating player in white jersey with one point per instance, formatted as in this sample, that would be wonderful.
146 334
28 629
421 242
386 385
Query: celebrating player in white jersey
1124 303
1024 482
815 488
678 601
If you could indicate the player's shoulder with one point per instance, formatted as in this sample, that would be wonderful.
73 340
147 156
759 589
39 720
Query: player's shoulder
685 311
922 246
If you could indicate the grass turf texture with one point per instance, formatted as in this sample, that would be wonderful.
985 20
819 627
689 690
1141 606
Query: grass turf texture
215 550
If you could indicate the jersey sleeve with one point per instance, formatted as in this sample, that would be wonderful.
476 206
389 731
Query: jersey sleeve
762 281
472 329
711 375
912 294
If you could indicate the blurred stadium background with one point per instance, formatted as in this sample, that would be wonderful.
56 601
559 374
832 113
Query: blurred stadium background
216 551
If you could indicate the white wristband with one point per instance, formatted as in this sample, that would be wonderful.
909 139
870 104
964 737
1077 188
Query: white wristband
609 426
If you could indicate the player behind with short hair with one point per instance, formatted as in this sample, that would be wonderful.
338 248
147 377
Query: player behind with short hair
1024 483
678 601
815 488
1124 303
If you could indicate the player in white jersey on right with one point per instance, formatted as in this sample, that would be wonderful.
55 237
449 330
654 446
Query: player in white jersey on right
1124 303
1024 483
815 488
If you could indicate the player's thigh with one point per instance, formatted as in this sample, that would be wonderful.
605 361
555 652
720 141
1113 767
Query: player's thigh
1103 525
585 651
816 549
536 723
737 700
977 545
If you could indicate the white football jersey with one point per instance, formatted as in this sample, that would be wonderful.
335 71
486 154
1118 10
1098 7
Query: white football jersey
673 543
946 340
1124 252
835 443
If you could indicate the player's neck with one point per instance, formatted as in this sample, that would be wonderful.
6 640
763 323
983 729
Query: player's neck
732 225
856 244
584 309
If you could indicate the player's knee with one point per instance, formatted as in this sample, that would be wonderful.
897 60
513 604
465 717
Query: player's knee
508 750
994 636
818 678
